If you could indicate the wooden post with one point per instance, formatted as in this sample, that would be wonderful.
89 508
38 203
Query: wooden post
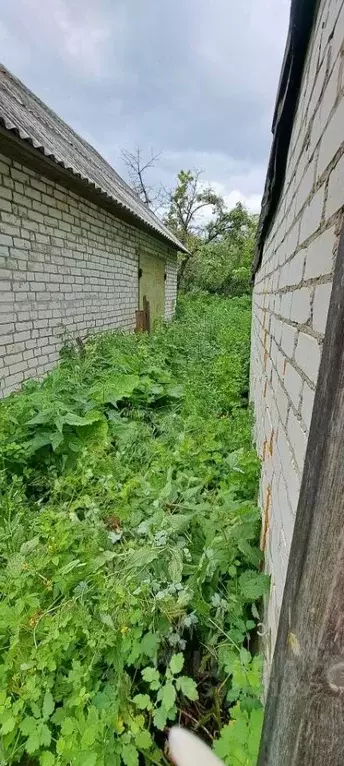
143 317
304 718
146 309
140 321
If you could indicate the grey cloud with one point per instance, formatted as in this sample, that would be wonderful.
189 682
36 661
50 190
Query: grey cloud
194 79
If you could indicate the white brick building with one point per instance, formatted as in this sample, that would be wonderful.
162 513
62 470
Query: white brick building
78 249
301 219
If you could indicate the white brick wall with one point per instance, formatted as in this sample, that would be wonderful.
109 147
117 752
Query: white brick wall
292 293
66 267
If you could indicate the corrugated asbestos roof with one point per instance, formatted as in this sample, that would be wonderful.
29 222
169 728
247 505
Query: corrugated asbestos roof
25 116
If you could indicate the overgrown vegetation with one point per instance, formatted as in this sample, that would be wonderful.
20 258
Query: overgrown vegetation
128 548
224 266
220 242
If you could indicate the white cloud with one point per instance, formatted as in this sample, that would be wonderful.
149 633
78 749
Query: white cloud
84 36
251 201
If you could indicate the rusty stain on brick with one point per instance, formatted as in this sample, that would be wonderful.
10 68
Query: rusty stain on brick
284 367
271 442
266 520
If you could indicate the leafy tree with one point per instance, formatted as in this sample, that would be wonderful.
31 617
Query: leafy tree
223 266
188 201
219 241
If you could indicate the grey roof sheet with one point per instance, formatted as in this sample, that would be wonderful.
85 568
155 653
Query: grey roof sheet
25 115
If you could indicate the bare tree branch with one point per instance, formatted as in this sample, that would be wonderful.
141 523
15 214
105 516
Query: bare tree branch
137 165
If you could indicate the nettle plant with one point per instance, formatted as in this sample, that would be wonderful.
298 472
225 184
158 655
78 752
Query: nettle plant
163 706
129 564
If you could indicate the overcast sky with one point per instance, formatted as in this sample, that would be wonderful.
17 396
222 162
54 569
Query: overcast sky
195 79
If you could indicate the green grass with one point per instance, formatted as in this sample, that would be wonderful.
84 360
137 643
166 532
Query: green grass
128 547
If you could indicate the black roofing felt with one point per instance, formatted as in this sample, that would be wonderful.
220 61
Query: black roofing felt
23 114
302 14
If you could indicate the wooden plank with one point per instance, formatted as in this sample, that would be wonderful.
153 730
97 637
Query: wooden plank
140 321
304 718
146 308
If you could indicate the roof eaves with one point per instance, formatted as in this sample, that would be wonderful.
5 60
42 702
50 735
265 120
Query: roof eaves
302 16
160 229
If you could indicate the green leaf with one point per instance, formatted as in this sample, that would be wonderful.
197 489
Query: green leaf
75 563
119 387
76 420
227 659
176 663
167 695
68 726
8 725
253 585
45 735
33 742
88 738
255 612
28 725
29 545
107 620
42 418
160 718
140 558
89 758
152 676
48 704
175 567
130 755
143 740
149 644
56 440
143 701
46 758
102 559
255 730
188 687
39 441
245 656
175 391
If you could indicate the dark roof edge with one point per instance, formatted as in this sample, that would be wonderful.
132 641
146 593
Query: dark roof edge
20 148
302 14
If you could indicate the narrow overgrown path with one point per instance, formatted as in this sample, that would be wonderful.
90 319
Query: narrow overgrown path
128 548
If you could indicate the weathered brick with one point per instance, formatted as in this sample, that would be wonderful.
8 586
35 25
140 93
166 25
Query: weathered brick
331 139
5 205
319 258
6 240
307 355
307 404
297 438
335 194
301 305
288 339
311 216
293 384
320 306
